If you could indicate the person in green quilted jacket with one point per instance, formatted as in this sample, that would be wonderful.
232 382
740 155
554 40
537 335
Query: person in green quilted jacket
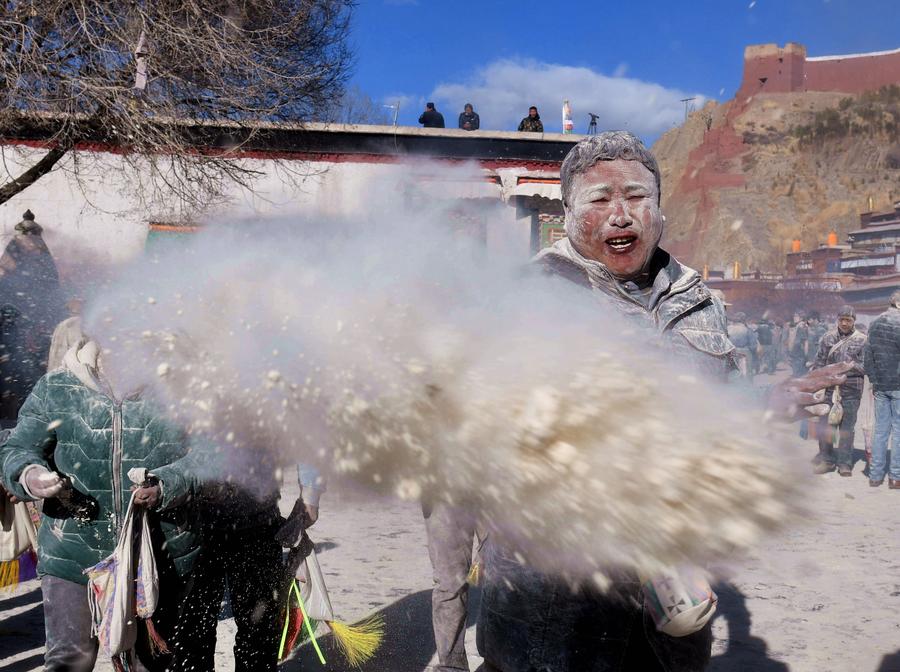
75 441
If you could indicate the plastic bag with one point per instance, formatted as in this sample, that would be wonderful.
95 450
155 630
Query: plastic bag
308 605
17 533
836 414
680 603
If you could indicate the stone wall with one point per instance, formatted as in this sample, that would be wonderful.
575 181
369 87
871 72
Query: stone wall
769 68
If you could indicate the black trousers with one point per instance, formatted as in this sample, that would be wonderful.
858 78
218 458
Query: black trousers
250 562
842 454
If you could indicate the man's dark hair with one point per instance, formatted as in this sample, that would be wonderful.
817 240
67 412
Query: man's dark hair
429 106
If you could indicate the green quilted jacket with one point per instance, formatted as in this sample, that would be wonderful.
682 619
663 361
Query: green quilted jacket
92 438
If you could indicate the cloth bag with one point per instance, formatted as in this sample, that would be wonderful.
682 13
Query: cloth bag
681 602
836 414
123 586
17 532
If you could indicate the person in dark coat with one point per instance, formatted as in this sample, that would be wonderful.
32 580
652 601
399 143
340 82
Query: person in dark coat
30 307
532 123
765 335
431 118
468 119
882 365
240 547
844 343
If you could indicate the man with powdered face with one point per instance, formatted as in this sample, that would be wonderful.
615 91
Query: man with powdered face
533 621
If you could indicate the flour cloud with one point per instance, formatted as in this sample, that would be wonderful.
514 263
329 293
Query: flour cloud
503 91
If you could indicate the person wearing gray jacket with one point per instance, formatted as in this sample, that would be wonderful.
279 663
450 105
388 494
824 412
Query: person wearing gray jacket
531 620
746 343
534 621
844 343
882 365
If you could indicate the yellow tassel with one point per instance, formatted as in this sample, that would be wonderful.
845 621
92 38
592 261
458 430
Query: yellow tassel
474 576
358 643
9 574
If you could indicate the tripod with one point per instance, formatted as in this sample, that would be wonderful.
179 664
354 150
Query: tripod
592 127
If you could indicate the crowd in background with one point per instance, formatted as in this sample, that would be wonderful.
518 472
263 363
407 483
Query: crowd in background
869 397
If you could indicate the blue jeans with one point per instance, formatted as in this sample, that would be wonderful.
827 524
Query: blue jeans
887 422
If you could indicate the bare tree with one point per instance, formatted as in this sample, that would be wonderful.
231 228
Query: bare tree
355 106
158 80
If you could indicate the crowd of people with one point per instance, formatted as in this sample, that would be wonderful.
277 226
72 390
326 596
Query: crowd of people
77 441
470 121
808 343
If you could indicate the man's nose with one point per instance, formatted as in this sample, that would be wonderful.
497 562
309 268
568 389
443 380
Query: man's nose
620 217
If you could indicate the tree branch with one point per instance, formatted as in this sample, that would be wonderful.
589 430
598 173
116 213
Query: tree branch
33 174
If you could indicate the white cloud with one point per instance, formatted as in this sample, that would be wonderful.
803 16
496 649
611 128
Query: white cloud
621 70
503 91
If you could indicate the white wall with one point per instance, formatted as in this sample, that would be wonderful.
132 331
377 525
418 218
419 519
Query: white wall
99 218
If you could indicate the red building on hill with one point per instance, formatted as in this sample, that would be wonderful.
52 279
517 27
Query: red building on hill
864 272
769 68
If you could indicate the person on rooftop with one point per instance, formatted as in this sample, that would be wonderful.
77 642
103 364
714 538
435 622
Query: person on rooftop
431 118
532 123
468 118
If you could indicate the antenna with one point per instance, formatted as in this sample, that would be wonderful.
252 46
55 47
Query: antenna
688 106
396 109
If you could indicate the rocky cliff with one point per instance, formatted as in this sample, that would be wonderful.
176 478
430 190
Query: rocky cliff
743 178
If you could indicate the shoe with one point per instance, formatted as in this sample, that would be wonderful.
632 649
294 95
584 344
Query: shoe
844 470
874 484
826 468
894 484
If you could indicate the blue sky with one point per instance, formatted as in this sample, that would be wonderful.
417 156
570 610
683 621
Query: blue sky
629 61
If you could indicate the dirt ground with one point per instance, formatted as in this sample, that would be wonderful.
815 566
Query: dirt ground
822 597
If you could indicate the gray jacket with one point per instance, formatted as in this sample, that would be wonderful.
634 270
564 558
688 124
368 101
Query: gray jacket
742 336
680 308
882 352
836 347
533 621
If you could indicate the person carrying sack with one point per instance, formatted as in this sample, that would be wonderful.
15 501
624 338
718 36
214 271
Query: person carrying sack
844 343
240 549
71 448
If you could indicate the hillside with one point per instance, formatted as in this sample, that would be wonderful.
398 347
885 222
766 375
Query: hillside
744 178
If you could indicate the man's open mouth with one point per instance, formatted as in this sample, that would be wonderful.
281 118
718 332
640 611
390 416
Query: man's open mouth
620 244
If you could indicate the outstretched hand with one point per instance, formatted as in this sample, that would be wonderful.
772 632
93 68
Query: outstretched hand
795 398
41 482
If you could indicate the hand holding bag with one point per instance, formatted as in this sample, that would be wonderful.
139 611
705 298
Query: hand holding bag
122 587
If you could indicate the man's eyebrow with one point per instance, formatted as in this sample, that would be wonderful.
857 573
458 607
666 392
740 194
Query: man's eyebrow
598 186
634 186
